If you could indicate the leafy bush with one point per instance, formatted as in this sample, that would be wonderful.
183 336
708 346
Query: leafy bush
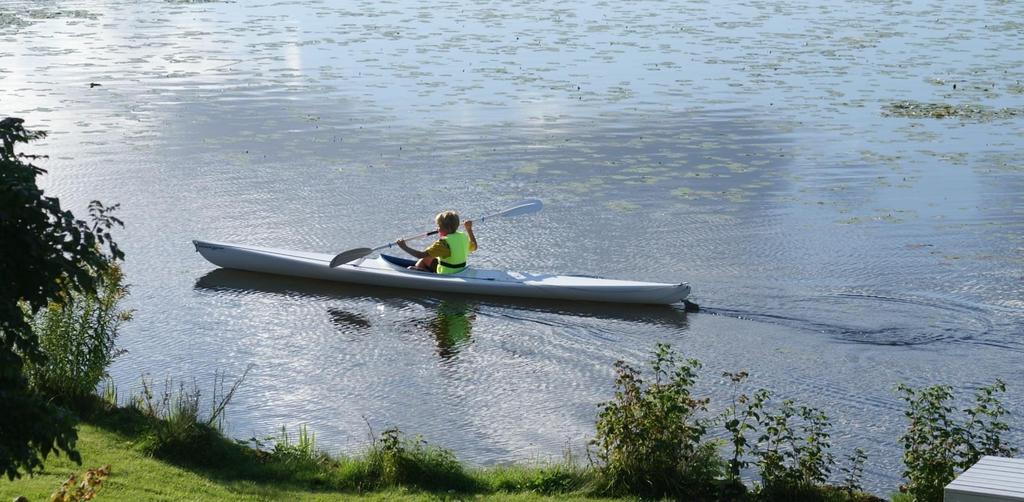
46 253
77 335
793 449
938 444
649 438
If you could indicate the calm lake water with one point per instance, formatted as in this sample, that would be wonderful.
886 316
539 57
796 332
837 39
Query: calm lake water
745 148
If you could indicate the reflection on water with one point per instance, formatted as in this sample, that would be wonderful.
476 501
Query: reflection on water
451 326
348 321
244 282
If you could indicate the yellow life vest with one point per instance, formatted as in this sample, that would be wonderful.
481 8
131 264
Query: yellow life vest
458 244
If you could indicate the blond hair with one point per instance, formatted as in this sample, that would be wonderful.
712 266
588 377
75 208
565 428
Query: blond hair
447 221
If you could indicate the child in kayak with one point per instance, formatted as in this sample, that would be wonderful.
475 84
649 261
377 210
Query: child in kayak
447 255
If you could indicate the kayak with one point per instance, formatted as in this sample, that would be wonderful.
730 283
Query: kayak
390 271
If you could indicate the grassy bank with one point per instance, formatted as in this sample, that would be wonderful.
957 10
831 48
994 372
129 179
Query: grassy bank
158 448
650 441
202 464
219 469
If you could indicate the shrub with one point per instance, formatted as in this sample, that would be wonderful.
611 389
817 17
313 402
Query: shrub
46 254
77 335
793 449
938 444
649 438
739 418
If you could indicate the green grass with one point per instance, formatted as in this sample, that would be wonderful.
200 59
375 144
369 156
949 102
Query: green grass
540 479
235 472
137 476
146 464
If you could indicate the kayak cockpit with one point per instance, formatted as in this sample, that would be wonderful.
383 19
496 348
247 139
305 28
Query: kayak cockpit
403 264
398 262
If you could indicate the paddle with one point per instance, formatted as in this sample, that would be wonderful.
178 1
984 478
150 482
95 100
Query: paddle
528 206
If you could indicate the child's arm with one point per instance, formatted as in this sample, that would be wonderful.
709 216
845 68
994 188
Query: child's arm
472 238
405 247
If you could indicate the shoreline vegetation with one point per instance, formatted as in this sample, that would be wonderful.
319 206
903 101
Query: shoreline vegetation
649 444
159 446
652 440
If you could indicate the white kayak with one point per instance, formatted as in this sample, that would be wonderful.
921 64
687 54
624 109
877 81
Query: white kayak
392 272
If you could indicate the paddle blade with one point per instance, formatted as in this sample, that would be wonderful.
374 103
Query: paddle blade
528 206
350 255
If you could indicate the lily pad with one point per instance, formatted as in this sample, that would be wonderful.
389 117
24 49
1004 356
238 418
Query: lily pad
917 110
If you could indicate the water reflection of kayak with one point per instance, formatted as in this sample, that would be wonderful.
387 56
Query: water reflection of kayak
245 282
391 272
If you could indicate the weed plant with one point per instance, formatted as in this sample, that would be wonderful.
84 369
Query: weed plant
854 471
302 452
790 446
109 396
298 460
77 335
547 478
177 429
395 460
793 450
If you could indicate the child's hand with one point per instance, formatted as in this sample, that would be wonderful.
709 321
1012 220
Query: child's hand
400 242
468 224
